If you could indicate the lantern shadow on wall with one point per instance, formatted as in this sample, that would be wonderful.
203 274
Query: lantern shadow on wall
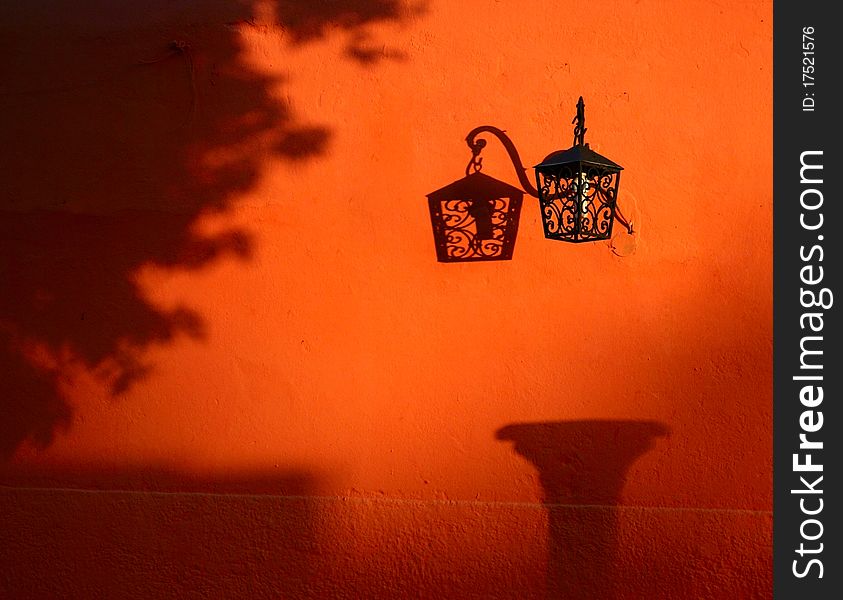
476 218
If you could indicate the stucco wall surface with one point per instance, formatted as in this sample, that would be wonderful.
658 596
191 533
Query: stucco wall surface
231 365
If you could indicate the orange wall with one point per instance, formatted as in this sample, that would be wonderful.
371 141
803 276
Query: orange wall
221 303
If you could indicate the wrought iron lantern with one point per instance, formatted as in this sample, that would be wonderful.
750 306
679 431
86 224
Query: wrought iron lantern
577 188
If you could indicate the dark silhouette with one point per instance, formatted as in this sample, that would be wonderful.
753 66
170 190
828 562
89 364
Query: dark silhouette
109 117
582 468
475 218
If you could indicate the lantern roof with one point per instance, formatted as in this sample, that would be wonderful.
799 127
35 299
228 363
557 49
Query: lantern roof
577 154
477 185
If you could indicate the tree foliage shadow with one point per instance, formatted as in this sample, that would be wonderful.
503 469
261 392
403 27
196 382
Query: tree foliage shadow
122 126
582 468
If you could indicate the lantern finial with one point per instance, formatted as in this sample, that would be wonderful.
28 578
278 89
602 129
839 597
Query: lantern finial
579 128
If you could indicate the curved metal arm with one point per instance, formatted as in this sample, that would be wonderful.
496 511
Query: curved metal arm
520 171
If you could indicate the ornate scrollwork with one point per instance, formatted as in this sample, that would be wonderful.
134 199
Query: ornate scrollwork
578 204
477 229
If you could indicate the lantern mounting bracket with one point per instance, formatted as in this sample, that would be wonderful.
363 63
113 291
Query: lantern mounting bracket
477 145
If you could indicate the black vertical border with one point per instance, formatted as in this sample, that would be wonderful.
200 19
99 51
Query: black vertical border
796 130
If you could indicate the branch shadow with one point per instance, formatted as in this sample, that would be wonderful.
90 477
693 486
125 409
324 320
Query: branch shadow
582 468
121 129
